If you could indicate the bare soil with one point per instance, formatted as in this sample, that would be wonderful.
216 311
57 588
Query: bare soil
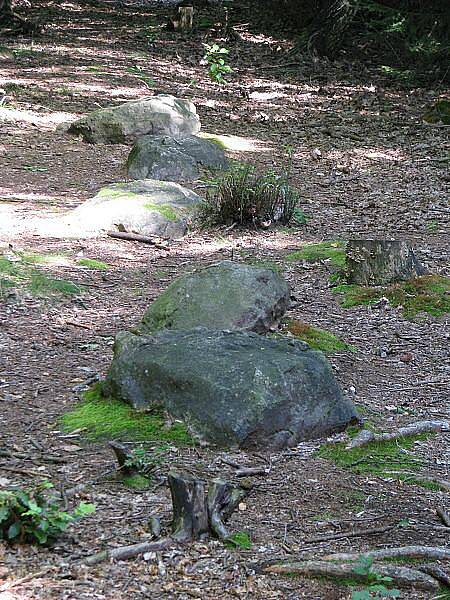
365 164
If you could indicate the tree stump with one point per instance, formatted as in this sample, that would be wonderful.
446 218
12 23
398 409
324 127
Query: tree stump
380 262
124 455
196 515
182 20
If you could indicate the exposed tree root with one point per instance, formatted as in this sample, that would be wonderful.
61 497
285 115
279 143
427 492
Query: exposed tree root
366 437
401 576
430 552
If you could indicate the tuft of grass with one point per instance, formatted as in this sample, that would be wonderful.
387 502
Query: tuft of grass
240 539
110 418
93 264
429 293
332 252
319 339
392 458
244 197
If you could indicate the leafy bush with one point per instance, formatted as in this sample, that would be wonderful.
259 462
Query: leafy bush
214 57
35 517
243 196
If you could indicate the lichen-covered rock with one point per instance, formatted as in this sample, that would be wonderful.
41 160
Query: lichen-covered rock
146 207
227 295
231 388
124 124
173 159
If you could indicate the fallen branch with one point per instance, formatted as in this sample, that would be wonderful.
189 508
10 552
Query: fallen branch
127 552
366 436
348 534
430 552
251 472
136 237
401 576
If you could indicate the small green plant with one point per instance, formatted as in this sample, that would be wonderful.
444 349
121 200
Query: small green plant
240 539
142 75
376 587
319 339
429 293
146 461
110 418
245 197
215 58
332 252
34 516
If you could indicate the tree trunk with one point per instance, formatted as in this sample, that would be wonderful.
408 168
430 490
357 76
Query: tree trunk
330 26
380 262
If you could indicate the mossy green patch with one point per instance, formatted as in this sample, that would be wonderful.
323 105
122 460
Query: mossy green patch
166 210
110 418
20 274
319 339
333 252
137 482
118 192
240 539
429 293
392 459
93 264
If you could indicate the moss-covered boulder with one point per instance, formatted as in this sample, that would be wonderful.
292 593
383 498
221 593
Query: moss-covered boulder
124 124
231 388
173 159
226 295
147 207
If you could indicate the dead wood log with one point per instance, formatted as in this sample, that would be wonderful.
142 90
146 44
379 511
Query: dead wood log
222 500
366 436
380 262
401 576
190 513
430 552
136 237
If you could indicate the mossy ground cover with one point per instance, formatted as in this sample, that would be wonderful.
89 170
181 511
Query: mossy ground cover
21 273
332 252
319 339
394 459
429 294
109 418
91 263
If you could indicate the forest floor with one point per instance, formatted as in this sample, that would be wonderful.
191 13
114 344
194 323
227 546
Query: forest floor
365 165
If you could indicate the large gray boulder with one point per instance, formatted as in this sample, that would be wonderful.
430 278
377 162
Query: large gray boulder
124 124
231 388
173 159
226 295
146 207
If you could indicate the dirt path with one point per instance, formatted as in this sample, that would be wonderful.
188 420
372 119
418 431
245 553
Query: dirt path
364 163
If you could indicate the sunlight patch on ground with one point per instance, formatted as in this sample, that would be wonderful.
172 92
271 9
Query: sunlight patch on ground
238 143
377 154
6 194
13 115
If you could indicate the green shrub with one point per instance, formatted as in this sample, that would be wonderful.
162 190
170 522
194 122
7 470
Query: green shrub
35 517
214 56
245 197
